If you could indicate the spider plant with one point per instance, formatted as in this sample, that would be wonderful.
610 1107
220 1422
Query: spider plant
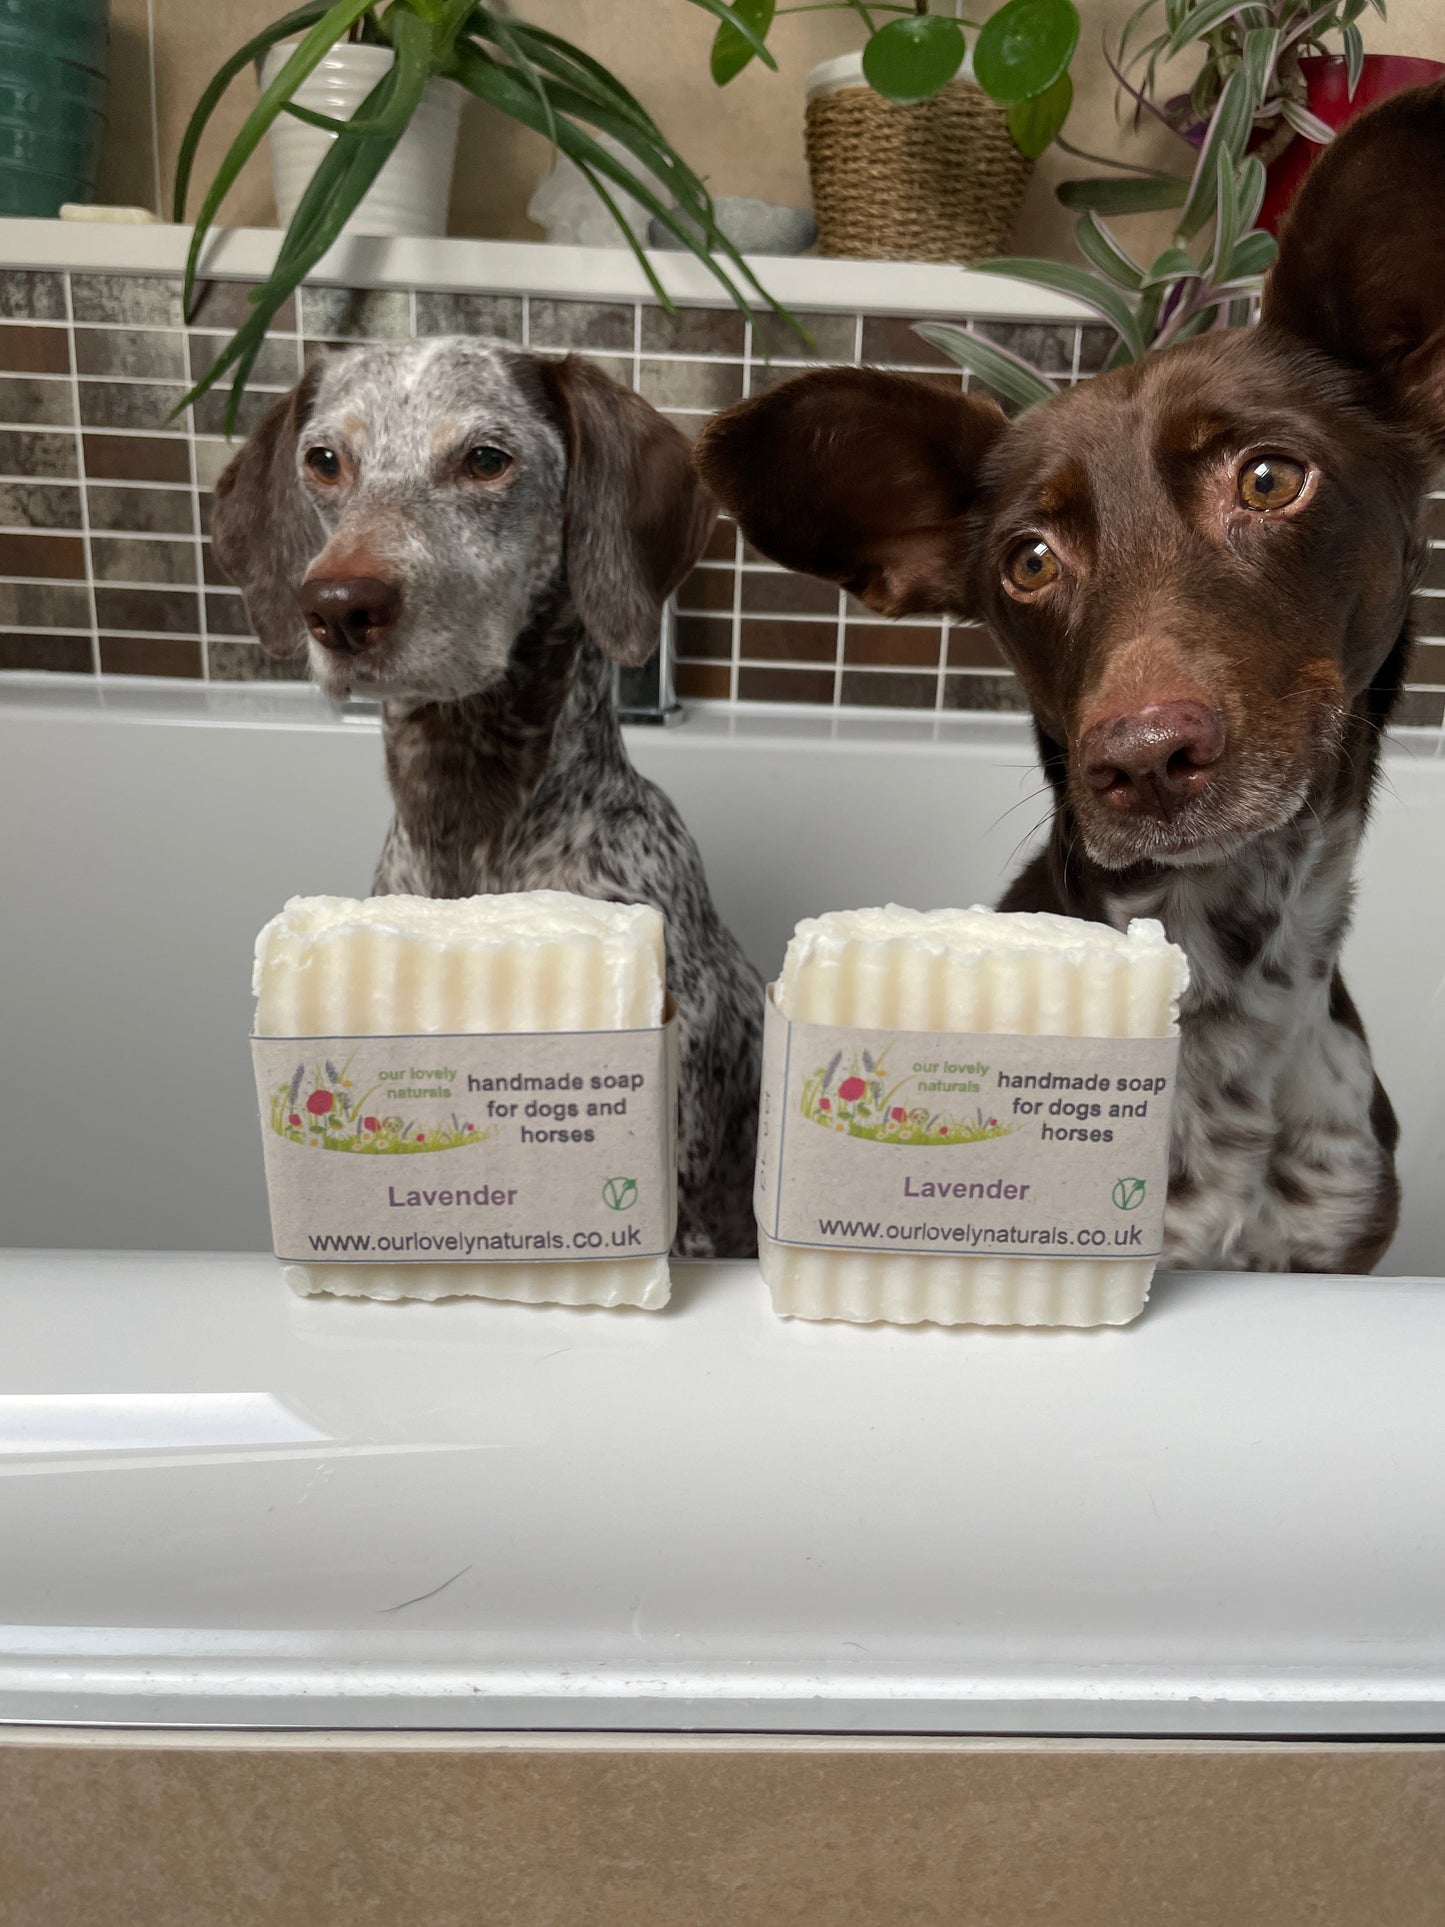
1206 278
1020 59
531 75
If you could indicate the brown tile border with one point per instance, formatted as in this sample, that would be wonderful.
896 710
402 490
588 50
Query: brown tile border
763 639
226 615
707 590
707 636
248 662
166 611
785 685
44 555
65 655
888 689
892 648
149 656
34 351
768 592
965 690
132 352
972 647
703 681
136 458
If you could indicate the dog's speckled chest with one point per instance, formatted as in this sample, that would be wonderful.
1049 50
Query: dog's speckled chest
1282 1139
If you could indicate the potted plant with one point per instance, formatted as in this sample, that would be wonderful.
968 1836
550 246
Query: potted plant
1307 66
1256 84
920 148
528 73
411 193
1208 277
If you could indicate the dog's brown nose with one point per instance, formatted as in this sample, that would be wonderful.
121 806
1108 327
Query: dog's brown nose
1154 760
350 613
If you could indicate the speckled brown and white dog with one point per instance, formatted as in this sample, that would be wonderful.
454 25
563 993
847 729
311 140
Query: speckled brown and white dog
1201 569
472 536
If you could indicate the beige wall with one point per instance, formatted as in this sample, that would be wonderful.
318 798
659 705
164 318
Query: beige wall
746 139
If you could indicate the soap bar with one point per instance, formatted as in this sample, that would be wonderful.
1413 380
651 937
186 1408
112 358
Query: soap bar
540 960
972 971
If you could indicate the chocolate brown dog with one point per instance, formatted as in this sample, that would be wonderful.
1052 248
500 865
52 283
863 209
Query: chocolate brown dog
1200 567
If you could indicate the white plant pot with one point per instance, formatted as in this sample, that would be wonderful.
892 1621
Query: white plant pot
411 193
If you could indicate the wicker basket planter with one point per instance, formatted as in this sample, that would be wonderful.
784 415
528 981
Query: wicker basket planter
938 181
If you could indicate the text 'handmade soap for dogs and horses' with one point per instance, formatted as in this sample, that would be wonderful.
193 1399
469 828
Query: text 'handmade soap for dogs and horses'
965 1118
472 1097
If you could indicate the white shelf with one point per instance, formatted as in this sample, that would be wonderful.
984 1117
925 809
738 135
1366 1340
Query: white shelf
529 267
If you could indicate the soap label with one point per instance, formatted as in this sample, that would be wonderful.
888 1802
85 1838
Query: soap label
963 1143
535 1147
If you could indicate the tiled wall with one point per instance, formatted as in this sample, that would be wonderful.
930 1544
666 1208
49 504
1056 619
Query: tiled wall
105 566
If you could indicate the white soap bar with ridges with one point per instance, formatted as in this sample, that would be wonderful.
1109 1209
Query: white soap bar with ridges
981 971
541 960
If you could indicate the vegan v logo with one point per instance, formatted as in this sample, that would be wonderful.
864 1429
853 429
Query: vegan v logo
1128 1194
619 1194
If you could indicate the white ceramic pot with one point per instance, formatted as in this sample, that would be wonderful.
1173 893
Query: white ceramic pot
411 193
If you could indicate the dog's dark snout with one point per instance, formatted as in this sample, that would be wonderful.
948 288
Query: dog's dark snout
1155 759
350 613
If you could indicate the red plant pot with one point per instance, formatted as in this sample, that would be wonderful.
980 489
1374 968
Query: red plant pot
1328 96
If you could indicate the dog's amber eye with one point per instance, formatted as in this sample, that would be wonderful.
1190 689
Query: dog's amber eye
1032 565
485 463
324 463
1271 482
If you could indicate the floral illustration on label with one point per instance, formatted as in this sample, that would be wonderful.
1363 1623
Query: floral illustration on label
319 1107
863 1103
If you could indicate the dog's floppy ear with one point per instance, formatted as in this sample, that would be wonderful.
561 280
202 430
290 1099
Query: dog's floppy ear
264 532
636 516
1361 269
863 478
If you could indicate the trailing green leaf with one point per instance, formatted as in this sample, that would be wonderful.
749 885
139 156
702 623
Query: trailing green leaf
1007 372
1254 255
1125 196
1223 146
1023 48
1200 21
1034 124
1170 266
911 59
738 20
730 52
313 48
1098 245
196 126
1081 286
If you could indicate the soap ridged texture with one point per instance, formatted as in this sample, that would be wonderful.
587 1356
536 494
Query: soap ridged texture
540 960
982 971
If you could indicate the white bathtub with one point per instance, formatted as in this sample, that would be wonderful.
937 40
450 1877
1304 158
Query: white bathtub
221 1506
150 833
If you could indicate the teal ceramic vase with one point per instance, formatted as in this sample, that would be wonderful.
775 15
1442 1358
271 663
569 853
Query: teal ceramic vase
53 93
